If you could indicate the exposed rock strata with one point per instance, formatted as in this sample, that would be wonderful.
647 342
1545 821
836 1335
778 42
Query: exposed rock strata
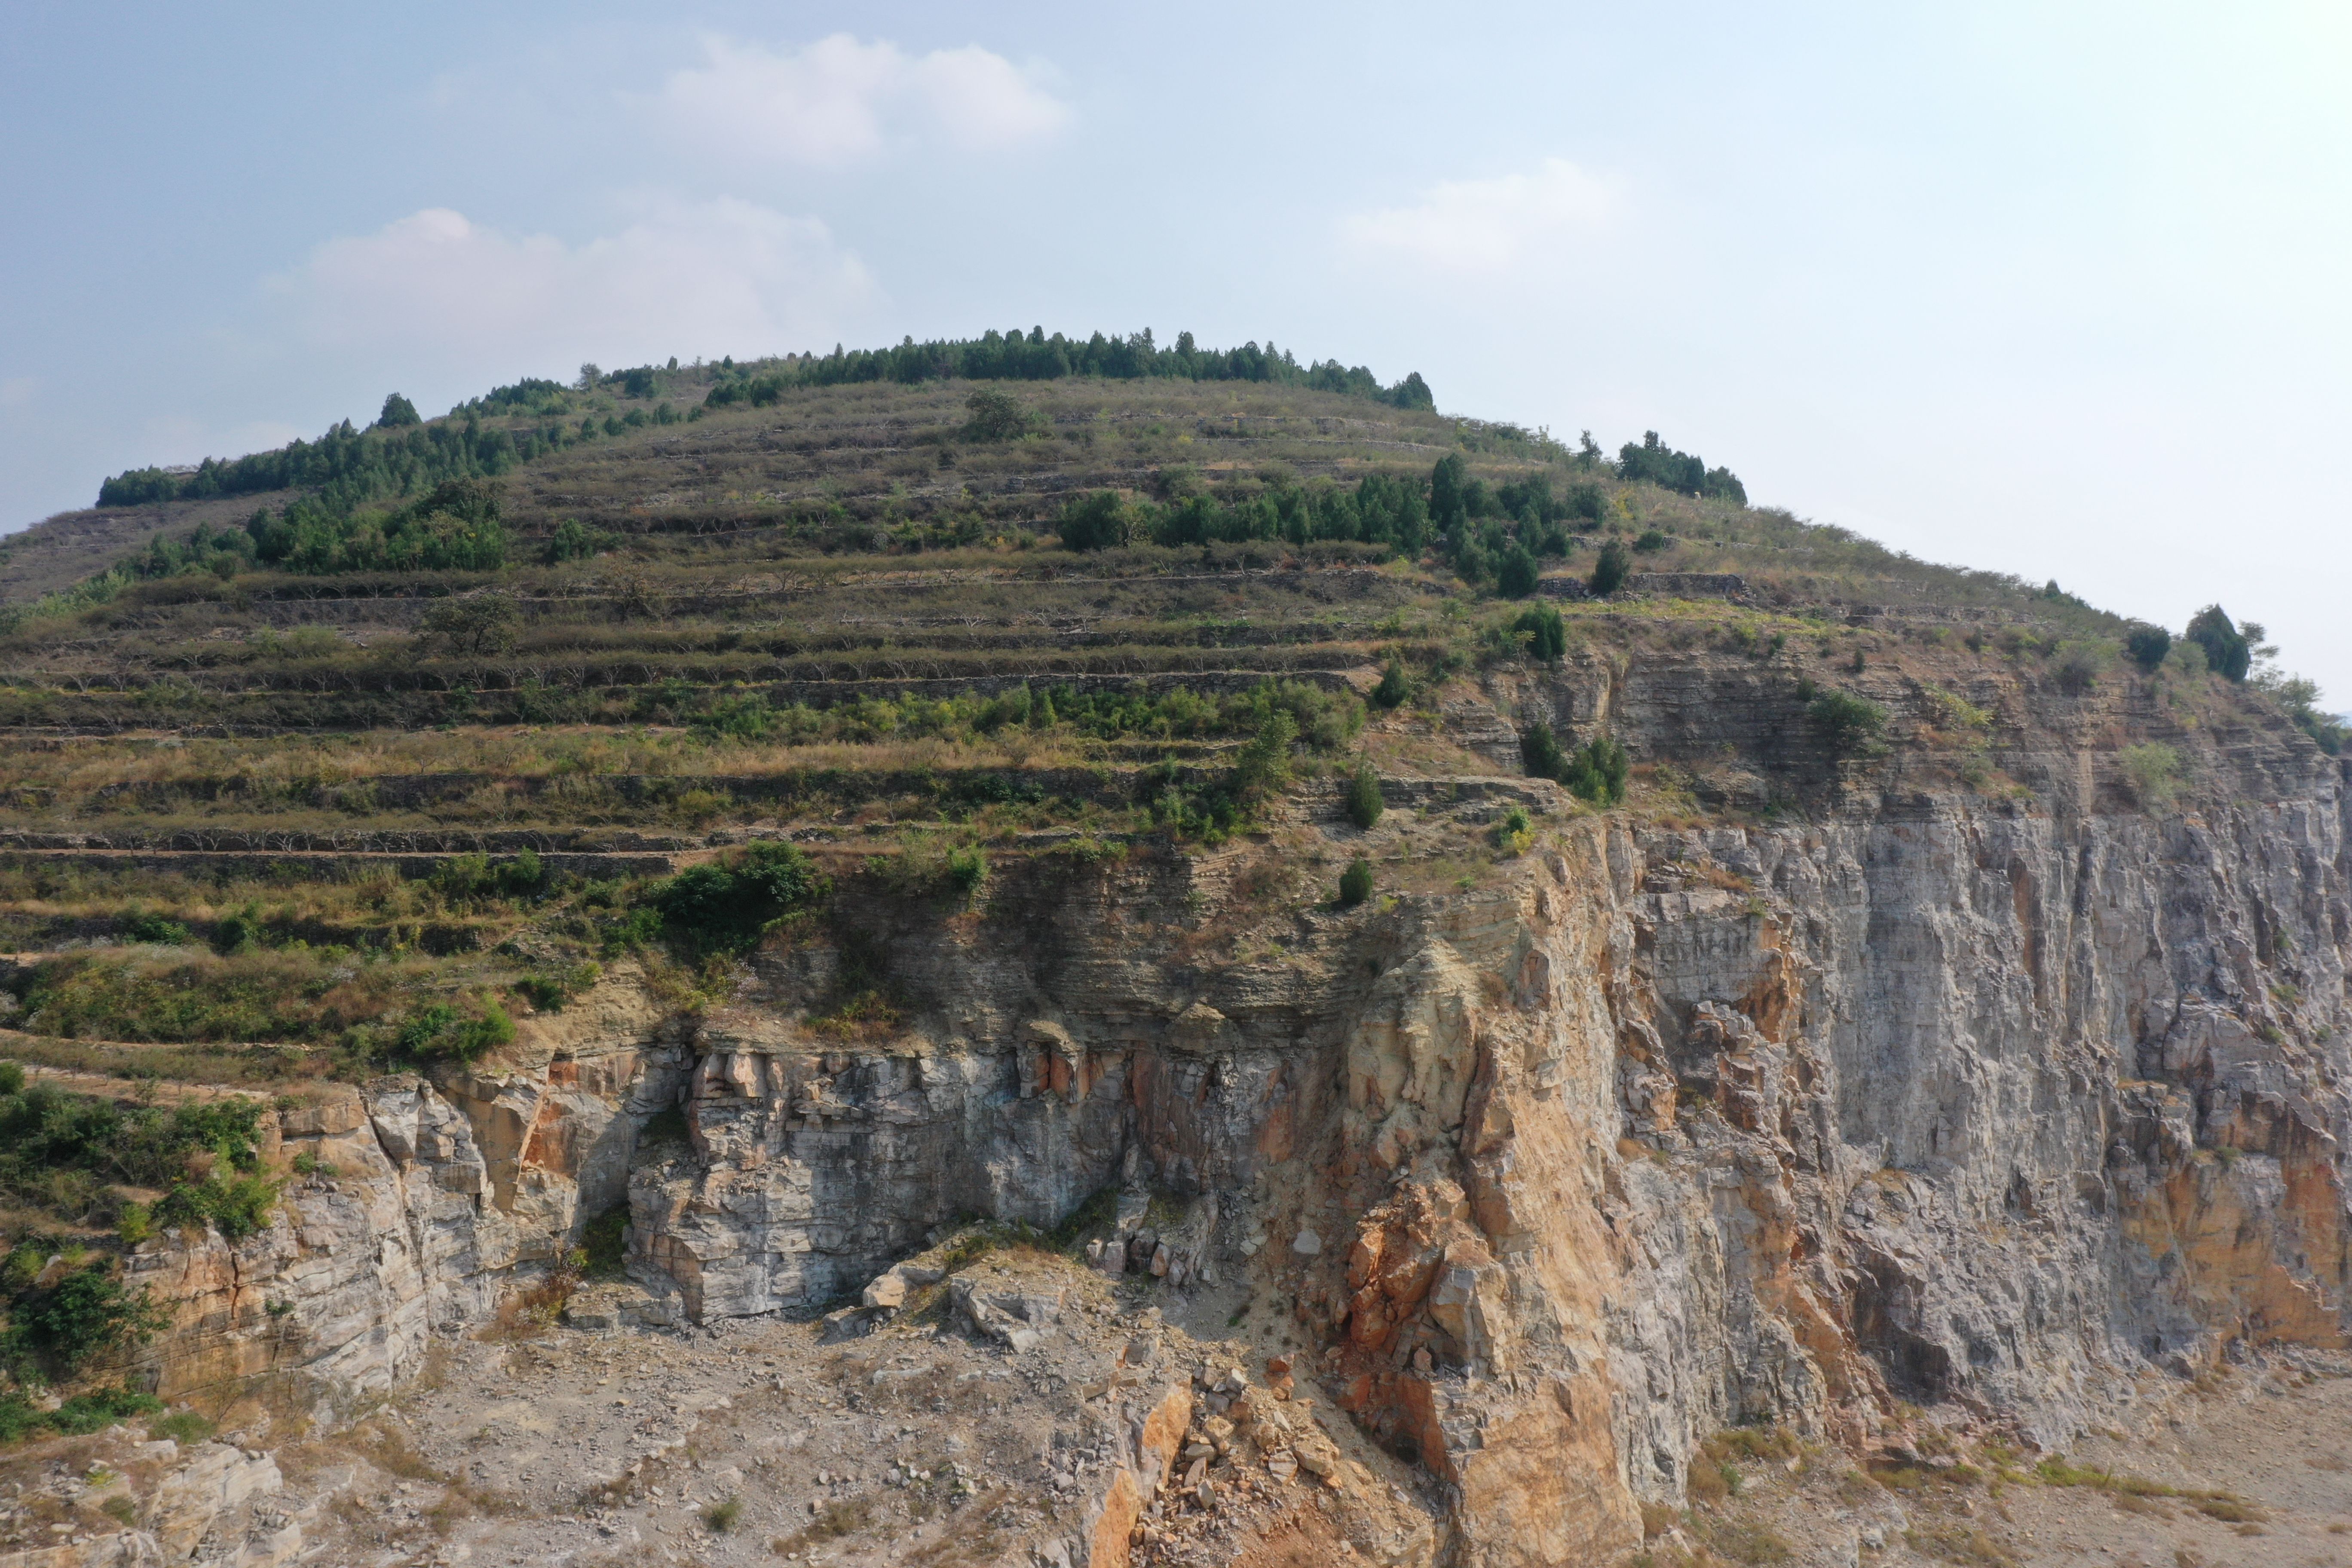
1939 1099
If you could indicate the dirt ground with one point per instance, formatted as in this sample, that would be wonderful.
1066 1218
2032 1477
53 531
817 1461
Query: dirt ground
2248 1467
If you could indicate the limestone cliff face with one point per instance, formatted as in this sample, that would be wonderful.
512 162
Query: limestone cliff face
1935 1096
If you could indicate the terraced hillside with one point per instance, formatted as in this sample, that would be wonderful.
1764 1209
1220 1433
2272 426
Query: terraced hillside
726 829
841 620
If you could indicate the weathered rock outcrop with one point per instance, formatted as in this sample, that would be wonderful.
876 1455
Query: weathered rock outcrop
1937 1096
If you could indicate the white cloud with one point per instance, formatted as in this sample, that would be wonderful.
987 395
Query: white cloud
838 100
440 296
1487 226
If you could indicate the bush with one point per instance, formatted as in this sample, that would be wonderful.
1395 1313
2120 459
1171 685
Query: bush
1610 570
1395 688
59 1150
604 1243
182 1426
1540 755
2229 653
2300 698
726 907
1262 767
1516 576
1095 522
548 992
996 415
472 626
2147 644
237 933
2078 666
78 1417
472 878
157 929
88 1312
441 1032
1595 772
236 1206
2153 771
1514 832
743 716
1851 724
1546 633
1652 540
1356 882
1364 804
967 869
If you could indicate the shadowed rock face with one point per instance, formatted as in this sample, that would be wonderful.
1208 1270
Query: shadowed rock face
1938 1096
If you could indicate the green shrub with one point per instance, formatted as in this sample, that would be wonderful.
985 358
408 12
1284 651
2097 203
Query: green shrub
183 1426
1540 753
1356 882
603 1242
1595 772
2147 644
721 1516
744 717
86 1312
1610 570
2079 665
236 1206
76 1417
1851 724
440 1031
59 1150
2229 651
2300 698
2153 771
239 932
548 992
1262 767
1515 578
1395 688
157 929
996 415
1652 540
967 869
727 906
1514 832
1095 522
1364 804
475 879
1545 632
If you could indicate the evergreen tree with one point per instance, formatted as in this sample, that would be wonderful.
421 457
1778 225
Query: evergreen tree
397 411
1608 573
2228 652
1516 577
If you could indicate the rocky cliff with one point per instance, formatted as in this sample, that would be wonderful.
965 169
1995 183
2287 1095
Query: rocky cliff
1819 1091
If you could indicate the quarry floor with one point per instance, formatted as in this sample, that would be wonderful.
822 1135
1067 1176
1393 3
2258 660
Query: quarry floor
584 1450
922 1443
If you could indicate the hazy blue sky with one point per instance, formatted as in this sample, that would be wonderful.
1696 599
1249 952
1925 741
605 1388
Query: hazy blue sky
2059 291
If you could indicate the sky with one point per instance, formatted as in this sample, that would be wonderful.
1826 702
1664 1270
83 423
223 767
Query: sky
2056 290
